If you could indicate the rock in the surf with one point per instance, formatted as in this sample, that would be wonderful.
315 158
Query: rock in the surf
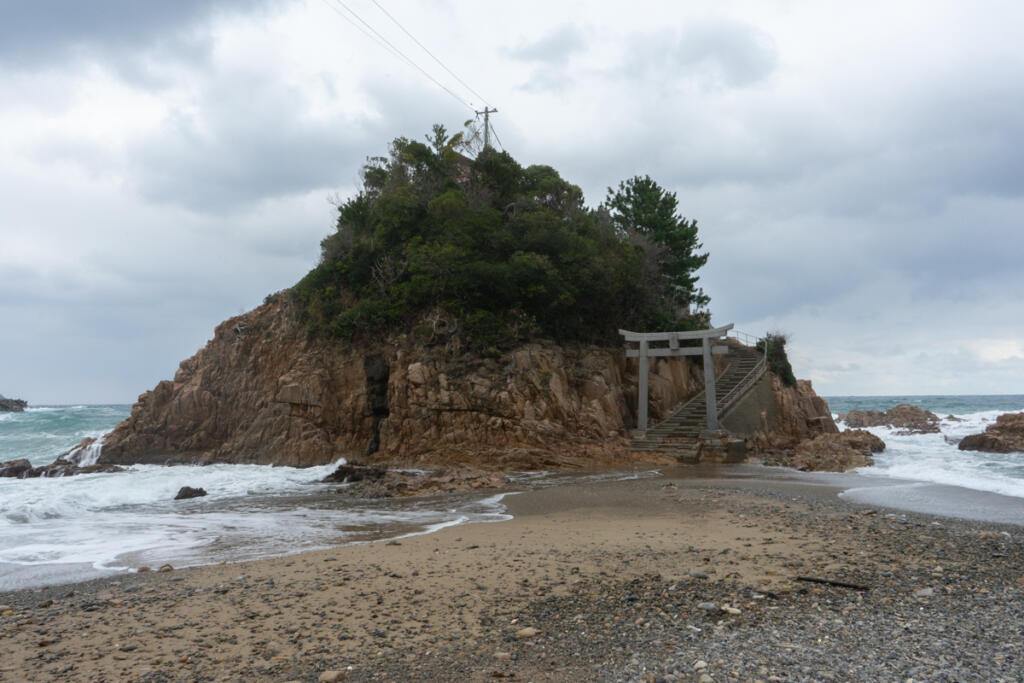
1006 435
15 468
350 473
12 405
905 417
186 492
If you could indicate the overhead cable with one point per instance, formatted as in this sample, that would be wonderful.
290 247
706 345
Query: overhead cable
394 50
497 138
433 56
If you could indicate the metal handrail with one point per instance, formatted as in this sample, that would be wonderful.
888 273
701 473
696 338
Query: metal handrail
744 385
744 338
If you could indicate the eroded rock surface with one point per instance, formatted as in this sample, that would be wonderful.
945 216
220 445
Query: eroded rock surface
263 391
1005 435
905 417
834 452
799 414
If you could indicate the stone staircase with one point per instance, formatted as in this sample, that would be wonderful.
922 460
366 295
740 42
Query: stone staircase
678 434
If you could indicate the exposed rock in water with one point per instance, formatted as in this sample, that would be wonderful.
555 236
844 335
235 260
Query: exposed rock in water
403 484
264 391
1005 435
15 468
351 472
23 469
186 492
833 452
905 417
12 405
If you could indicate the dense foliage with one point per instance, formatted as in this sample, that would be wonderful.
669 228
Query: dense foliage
647 215
778 359
497 251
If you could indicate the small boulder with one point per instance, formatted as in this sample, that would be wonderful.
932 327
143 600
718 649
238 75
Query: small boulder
350 473
15 468
186 492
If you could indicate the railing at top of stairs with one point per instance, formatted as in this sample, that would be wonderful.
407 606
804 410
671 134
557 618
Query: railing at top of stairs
744 385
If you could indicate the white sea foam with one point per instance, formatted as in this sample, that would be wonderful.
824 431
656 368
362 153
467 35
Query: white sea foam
936 458
122 520
86 456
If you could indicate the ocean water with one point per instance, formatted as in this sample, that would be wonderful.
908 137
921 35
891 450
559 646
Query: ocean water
57 530
935 458
74 528
42 433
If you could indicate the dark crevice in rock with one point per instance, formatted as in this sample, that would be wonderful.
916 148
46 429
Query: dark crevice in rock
377 372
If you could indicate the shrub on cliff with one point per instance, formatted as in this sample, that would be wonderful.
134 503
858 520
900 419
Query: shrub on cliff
778 360
506 251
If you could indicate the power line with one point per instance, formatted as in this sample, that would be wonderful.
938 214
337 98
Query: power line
394 49
424 48
359 28
498 139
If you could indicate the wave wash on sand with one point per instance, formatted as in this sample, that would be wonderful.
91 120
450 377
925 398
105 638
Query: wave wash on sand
636 579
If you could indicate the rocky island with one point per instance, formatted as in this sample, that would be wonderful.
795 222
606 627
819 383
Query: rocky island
464 312
12 405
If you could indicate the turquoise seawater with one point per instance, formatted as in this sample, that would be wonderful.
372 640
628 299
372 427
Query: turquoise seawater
940 405
42 433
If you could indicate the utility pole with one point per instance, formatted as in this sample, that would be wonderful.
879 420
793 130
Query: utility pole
487 124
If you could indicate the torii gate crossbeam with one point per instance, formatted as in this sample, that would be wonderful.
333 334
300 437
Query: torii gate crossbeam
645 351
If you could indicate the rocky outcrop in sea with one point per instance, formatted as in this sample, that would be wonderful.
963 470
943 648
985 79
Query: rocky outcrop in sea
832 452
1005 435
904 417
12 405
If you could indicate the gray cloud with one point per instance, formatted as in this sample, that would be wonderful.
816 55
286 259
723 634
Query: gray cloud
554 48
252 140
711 53
50 31
871 207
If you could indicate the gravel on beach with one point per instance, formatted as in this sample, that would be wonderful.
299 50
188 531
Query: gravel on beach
659 579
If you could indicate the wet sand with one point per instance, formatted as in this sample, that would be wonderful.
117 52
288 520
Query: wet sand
686 576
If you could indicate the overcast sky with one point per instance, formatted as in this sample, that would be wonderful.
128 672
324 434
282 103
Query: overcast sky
856 169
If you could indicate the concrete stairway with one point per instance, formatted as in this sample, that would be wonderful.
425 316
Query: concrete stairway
677 435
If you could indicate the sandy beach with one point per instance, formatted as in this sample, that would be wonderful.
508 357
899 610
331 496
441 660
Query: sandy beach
670 578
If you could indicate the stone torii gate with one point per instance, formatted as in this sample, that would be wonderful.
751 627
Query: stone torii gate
646 351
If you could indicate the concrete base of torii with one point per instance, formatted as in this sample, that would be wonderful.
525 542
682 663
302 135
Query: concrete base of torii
721 447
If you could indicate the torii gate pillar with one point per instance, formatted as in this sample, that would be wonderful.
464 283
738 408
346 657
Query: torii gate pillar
645 351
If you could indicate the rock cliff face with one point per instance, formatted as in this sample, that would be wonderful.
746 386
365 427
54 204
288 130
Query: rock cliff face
1005 436
262 391
791 415
796 429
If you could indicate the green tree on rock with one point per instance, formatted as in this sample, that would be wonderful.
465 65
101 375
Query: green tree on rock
647 214
502 252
